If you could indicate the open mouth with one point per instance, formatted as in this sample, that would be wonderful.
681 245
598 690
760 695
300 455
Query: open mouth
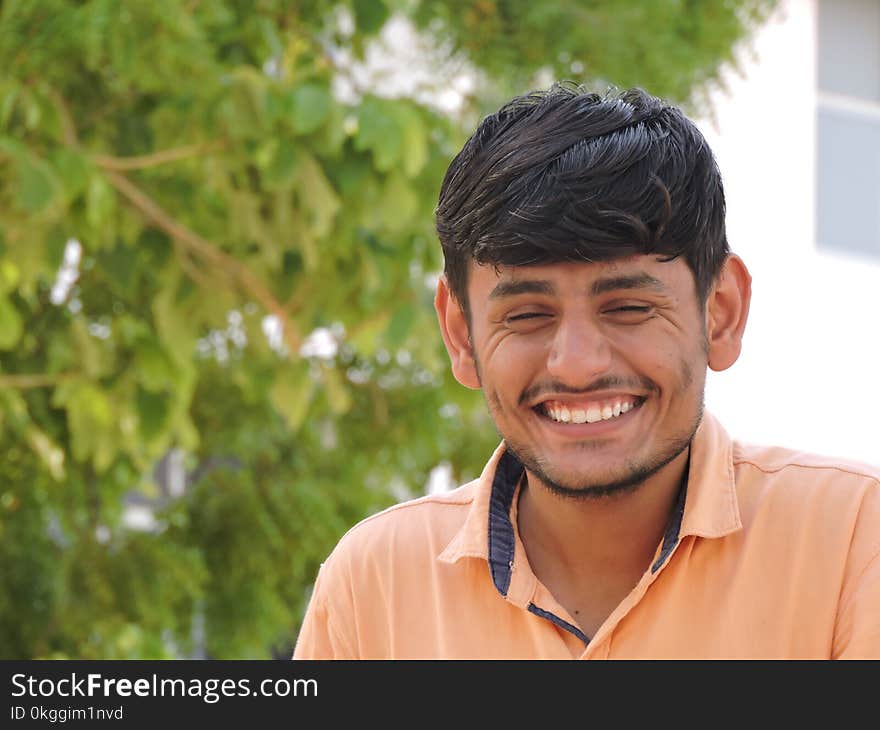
592 412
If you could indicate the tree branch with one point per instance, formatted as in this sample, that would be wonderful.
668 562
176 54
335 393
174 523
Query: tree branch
22 382
209 253
180 234
141 162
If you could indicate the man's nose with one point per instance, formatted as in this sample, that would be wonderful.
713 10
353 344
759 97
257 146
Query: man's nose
579 353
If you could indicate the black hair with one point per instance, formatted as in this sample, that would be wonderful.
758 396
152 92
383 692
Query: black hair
568 175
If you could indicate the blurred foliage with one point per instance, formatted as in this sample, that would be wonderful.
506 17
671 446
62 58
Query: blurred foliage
213 172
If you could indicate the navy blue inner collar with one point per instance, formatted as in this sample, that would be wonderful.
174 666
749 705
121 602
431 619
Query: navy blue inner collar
502 540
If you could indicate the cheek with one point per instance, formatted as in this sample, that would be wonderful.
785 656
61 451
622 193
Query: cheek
510 359
505 374
687 369
678 368
686 375
494 401
671 365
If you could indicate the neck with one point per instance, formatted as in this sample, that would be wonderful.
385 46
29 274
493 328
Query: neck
612 538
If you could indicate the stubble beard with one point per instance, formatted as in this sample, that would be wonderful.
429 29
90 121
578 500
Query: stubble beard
632 474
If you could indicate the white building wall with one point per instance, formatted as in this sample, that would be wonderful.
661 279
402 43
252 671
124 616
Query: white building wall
808 375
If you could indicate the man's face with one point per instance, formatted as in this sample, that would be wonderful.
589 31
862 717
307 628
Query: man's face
593 372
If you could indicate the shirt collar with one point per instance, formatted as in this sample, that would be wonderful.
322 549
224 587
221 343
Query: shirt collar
472 540
712 509
707 504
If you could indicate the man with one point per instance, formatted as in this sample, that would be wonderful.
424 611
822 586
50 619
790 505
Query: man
587 287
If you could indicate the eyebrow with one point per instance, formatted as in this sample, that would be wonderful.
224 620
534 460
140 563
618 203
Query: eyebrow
515 287
633 281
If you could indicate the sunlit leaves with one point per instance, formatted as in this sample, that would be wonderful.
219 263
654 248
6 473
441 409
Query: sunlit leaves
378 132
667 46
11 325
51 454
311 104
91 419
370 15
338 391
100 200
33 183
291 394
153 368
318 200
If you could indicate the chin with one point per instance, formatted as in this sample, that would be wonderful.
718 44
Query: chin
598 486
593 483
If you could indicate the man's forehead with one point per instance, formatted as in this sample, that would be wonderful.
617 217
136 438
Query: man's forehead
624 266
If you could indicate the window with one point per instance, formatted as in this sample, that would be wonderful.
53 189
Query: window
848 127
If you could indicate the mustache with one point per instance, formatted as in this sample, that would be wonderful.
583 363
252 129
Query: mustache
607 382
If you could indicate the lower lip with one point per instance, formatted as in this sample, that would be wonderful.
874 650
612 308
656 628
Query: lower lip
587 430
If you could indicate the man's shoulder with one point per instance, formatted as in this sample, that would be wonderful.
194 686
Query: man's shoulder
427 522
823 469
826 506
801 483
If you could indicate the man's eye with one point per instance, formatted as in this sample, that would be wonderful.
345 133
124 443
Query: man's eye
631 308
525 315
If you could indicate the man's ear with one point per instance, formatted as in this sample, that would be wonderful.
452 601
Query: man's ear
454 327
727 310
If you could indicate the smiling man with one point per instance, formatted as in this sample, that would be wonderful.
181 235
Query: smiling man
588 286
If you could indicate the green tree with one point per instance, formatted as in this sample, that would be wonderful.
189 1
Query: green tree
173 173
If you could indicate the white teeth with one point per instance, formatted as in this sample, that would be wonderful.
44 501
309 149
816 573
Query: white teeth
593 414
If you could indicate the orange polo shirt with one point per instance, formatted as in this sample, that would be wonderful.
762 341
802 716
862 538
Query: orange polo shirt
769 554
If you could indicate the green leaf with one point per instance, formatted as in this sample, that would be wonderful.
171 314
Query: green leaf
370 15
338 391
154 369
9 276
291 394
153 411
48 451
311 105
100 201
398 205
380 131
7 103
122 266
415 143
56 244
36 185
365 337
317 196
329 139
11 325
401 325
174 329
281 166
94 356
73 171
89 418
186 433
